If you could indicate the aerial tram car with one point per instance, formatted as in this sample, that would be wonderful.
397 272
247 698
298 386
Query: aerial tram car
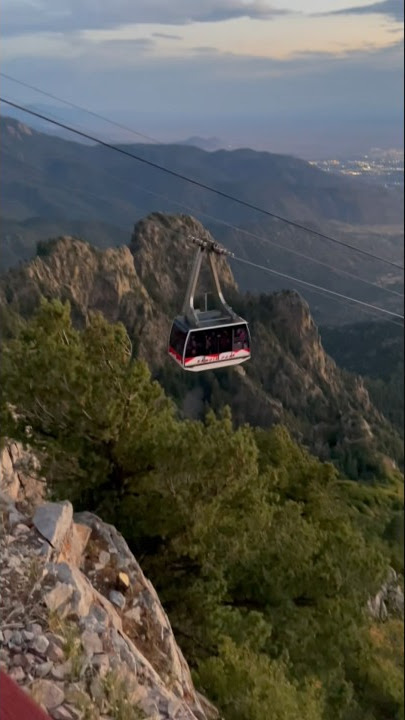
208 339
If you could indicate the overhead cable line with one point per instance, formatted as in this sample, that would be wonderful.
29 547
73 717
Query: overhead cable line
229 225
81 108
197 183
268 241
318 287
365 307
332 295
368 311
77 191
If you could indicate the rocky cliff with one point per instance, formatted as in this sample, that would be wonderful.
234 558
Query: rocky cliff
290 378
82 629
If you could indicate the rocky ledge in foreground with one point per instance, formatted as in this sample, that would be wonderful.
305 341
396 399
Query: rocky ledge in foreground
82 629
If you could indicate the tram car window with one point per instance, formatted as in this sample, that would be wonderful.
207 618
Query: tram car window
178 340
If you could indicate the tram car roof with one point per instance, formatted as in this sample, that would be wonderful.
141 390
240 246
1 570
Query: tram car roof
208 319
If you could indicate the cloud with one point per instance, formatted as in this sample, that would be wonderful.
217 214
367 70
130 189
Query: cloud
206 50
310 100
87 45
257 76
166 36
25 16
231 9
391 8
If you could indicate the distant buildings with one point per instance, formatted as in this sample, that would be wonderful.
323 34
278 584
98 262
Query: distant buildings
385 167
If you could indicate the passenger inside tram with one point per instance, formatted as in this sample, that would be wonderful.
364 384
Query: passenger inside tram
240 339
217 341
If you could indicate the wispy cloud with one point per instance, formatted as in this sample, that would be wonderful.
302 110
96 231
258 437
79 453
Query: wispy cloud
166 36
185 60
309 99
205 50
391 8
23 16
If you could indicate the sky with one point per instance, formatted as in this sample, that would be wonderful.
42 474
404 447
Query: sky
314 78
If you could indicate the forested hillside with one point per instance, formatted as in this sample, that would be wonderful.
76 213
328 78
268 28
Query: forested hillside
263 556
290 379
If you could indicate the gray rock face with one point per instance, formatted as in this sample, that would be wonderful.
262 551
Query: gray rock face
19 475
395 600
145 609
10 483
77 626
389 600
53 521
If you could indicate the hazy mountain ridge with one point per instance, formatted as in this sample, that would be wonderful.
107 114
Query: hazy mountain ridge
205 143
290 378
64 181
289 183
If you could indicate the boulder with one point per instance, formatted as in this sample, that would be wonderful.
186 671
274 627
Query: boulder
58 597
117 599
91 643
40 644
53 521
47 693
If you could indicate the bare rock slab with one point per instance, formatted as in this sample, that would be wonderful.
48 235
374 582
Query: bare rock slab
53 521
74 544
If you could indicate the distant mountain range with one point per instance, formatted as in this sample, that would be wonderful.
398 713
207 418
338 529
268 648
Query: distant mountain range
53 186
81 119
209 144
